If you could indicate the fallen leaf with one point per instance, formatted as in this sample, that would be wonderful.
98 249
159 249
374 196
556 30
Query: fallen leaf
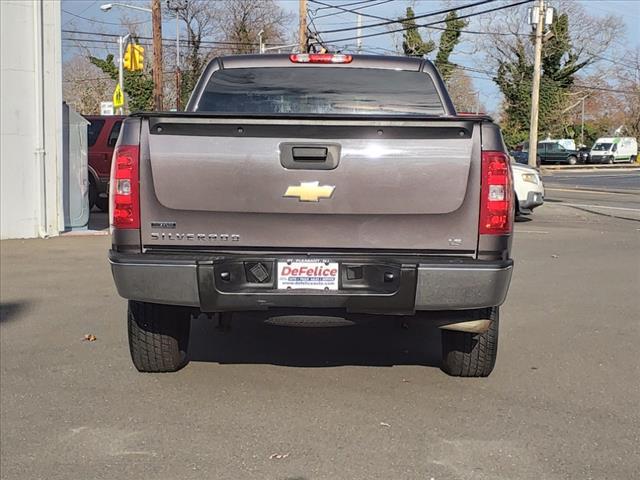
384 424
278 456
89 337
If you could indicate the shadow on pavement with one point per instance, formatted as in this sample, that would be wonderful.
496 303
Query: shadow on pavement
98 220
10 311
376 341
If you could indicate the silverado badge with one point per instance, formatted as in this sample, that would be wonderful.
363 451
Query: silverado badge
310 191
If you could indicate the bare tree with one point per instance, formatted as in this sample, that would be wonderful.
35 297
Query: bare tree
591 35
627 78
222 27
84 85
242 20
463 95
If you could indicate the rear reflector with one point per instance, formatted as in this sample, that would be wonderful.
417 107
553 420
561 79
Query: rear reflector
124 188
497 200
320 58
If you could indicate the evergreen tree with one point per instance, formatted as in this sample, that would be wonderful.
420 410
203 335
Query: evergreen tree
413 45
448 40
138 86
515 79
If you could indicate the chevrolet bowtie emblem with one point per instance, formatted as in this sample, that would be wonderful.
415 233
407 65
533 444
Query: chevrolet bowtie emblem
310 191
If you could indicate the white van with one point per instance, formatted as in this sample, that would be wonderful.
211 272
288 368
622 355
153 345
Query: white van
614 149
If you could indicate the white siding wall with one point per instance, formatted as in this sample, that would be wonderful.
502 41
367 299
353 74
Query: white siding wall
30 196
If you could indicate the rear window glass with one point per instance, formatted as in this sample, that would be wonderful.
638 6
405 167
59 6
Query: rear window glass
94 131
113 135
320 90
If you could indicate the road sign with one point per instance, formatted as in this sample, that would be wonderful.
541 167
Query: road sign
106 108
118 97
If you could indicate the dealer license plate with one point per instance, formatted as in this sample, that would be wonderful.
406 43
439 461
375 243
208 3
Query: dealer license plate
308 274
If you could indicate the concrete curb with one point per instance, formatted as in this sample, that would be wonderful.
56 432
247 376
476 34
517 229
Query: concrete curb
590 167
558 187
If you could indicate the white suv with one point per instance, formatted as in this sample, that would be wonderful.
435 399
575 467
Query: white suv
528 187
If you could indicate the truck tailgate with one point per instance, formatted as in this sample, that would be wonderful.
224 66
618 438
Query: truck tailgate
322 184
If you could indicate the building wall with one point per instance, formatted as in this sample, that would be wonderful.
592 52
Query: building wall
31 119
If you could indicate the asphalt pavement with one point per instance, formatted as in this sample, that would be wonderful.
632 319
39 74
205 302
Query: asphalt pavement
360 402
602 180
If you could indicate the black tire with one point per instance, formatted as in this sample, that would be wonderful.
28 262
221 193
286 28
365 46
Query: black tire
158 336
470 354
102 204
572 160
633 158
610 160
93 193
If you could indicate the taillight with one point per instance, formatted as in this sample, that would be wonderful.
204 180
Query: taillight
496 201
320 58
124 188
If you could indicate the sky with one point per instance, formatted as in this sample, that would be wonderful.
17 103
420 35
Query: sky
86 15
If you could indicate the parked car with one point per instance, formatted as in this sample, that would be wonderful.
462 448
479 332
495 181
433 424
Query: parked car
528 188
313 181
102 137
522 157
584 155
554 152
614 149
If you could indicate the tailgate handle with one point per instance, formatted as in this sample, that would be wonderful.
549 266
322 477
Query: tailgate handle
310 156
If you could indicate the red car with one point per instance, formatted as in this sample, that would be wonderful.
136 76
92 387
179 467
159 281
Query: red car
102 137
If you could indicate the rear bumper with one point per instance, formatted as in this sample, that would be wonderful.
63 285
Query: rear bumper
417 284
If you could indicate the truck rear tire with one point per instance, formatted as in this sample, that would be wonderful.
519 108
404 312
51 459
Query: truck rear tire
102 204
467 354
158 336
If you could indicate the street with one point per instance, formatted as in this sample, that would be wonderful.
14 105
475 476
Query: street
366 401
626 180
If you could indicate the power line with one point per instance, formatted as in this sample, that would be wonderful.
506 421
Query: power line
473 32
345 10
83 10
359 2
100 21
400 20
631 67
522 2
614 90
113 35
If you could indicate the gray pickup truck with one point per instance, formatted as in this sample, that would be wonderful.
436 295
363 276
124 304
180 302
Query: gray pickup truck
314 182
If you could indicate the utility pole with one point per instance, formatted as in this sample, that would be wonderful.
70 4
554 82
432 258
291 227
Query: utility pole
359 33
582 125
302 35
122 43
176 9
535 92
156 18
178 73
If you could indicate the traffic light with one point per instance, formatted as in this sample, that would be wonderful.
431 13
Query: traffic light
138 57
133 58
126 61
